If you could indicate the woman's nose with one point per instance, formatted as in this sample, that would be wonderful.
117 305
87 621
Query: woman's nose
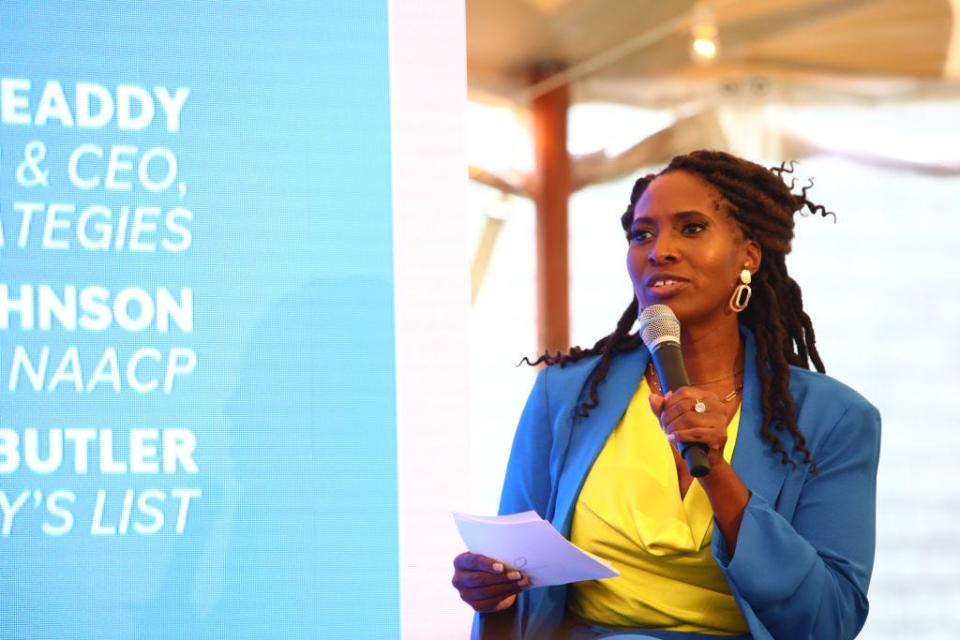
662 250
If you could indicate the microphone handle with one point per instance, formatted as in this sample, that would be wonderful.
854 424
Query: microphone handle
668 361
696 456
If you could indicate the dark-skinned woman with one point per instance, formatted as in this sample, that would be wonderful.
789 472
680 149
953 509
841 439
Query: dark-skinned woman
778 540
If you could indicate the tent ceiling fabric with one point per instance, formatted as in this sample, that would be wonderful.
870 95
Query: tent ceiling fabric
636 52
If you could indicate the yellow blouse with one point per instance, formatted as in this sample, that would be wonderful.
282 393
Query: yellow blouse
630 512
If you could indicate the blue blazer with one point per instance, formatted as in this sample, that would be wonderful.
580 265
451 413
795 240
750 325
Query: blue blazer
806 543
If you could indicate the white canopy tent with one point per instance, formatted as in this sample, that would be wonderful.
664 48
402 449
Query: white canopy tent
541 56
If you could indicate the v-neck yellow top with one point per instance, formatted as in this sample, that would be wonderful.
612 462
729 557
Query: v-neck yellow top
630 512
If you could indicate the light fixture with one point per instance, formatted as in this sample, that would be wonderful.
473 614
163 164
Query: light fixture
703 34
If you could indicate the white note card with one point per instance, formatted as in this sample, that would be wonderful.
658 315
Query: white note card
530 544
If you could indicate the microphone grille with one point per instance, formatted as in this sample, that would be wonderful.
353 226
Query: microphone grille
658 324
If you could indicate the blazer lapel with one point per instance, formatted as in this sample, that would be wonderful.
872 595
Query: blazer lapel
588 435
759 468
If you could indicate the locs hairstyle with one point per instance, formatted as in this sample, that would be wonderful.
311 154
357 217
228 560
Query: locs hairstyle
763 206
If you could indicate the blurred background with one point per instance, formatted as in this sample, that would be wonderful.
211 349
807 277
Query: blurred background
571 100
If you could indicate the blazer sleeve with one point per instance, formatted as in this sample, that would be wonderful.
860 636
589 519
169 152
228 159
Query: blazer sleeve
526 485
808 577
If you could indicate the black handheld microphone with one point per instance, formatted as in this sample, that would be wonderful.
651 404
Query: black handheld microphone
660 331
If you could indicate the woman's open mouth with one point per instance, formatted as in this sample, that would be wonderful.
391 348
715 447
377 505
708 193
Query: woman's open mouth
666 285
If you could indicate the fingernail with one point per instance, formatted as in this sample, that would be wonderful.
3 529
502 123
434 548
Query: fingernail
514 575
669 393
498 567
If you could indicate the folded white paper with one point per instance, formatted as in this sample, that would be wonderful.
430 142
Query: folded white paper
529 544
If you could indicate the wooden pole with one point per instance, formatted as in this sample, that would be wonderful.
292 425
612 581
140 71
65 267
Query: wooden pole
551 186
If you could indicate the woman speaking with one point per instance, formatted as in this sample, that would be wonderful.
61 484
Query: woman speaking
777 541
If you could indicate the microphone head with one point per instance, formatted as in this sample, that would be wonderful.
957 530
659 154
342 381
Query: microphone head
658 324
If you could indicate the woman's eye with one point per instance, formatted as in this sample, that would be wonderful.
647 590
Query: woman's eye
693 228
638 235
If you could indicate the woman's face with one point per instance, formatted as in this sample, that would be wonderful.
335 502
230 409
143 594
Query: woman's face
684 251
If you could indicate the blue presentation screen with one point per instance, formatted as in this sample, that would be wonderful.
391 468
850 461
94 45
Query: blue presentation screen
197 413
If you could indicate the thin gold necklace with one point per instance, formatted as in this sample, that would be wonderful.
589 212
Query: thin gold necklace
652 377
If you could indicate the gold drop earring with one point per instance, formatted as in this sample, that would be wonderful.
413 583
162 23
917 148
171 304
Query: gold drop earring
741 295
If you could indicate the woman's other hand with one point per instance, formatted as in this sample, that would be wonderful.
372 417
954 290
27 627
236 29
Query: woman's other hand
486 584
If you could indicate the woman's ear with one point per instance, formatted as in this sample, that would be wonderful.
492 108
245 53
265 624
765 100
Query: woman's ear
754 256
